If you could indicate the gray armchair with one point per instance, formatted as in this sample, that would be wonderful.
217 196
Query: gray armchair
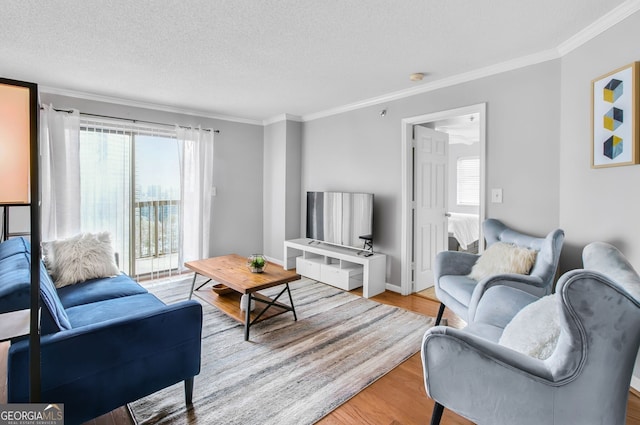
584 381
462 294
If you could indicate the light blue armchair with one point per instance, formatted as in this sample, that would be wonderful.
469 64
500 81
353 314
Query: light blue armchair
587 376
461 294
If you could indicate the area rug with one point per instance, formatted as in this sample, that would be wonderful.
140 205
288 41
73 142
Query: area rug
290 372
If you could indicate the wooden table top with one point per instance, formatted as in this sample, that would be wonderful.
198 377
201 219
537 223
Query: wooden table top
232 271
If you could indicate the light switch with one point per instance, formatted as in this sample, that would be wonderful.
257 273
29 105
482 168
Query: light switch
496 196
214 191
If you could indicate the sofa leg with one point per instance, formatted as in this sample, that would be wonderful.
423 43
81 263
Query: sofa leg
188 390
437 414
440 313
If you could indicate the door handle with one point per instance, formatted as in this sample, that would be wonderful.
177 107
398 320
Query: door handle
447 214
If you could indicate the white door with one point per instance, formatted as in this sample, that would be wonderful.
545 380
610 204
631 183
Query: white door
430 188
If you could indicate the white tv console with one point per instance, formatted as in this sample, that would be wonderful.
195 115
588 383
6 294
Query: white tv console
338 266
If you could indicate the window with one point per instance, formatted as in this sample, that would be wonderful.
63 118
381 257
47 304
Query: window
468 181
130 186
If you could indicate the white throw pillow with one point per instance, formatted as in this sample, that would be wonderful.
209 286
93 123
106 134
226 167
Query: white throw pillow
79 258
535 330
501 258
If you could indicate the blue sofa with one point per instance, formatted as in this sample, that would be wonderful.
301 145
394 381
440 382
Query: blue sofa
104 342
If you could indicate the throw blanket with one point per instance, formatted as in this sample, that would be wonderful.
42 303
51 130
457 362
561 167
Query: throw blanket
465 228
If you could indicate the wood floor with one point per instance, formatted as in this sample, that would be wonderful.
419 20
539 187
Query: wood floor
398 398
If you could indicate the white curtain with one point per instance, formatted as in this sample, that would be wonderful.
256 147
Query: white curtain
60 173
105 183
196 166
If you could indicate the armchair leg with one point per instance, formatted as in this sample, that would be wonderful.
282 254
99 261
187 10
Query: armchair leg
440 313
437 413
188 391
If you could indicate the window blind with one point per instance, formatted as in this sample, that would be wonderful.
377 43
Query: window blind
468 181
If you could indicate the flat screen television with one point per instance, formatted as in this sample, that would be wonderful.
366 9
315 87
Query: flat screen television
340 218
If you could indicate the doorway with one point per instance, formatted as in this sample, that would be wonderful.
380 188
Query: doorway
459 196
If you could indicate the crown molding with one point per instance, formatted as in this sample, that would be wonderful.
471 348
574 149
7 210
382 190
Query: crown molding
607 21
145 105
615 16
520 62
282 117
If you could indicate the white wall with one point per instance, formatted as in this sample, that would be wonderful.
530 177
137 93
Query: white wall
237 207
361 151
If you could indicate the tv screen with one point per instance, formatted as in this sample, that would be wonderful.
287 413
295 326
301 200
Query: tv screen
340 218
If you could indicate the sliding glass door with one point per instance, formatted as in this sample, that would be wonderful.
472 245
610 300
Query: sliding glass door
130 187
157 204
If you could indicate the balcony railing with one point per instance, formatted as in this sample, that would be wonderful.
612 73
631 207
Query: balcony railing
157 230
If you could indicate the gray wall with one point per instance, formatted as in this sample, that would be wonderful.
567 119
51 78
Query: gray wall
282 144
596 204
19 220
361 151
275 150
237 207
293 183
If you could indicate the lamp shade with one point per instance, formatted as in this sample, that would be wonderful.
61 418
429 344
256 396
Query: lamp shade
14 144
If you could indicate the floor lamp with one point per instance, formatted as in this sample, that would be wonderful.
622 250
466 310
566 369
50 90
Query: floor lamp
19 174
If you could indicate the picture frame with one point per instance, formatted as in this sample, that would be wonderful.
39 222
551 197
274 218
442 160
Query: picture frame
615 133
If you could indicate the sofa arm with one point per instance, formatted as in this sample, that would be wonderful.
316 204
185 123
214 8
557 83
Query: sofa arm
454 263
441 344
530 284
459 368
121 360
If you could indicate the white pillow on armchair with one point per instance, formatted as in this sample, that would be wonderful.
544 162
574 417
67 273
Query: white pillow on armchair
502 258
535 330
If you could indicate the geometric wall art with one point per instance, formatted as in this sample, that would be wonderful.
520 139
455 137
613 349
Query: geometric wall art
614 118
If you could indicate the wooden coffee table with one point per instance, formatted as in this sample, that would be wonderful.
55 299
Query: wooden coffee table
231 270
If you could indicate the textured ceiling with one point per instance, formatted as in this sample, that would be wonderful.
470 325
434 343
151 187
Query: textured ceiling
256 59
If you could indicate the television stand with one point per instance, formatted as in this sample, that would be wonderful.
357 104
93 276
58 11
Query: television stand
338 266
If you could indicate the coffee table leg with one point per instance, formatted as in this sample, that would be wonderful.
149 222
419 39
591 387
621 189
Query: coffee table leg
247 319
193 284
293 309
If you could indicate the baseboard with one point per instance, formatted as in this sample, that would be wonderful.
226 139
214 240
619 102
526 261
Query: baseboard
393 288
274 260
635 384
